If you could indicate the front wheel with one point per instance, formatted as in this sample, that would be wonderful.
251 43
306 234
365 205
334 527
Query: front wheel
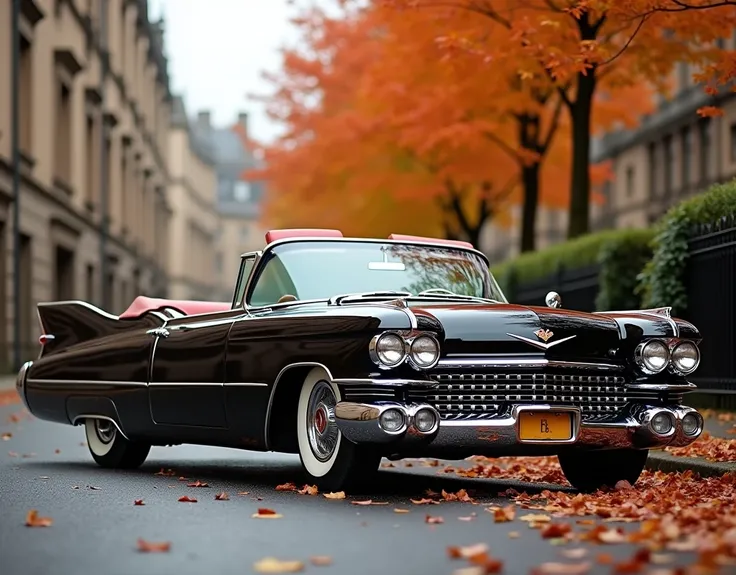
110 449
591 470
331 462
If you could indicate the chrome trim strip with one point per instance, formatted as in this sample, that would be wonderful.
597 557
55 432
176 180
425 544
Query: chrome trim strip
245 384
20 383
79 302
539 344
187 383
85 382
269 406
383 382
661 312
206 323
528 363
95 416
677 387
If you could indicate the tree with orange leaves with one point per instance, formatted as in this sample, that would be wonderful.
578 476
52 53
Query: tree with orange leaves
393 122
580 46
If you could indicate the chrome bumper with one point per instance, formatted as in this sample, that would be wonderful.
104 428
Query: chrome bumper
20 383
361 423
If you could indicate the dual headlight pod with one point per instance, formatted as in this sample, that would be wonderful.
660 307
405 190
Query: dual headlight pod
655 355
391 349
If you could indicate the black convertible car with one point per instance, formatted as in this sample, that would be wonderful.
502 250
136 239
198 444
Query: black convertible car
346 350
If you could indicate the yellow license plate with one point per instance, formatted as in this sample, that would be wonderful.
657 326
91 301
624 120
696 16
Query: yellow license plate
545 425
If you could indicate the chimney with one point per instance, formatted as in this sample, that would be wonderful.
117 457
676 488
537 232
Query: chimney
203 120
243 121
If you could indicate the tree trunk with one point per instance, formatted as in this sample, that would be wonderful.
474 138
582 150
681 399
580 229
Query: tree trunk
530 181
580 116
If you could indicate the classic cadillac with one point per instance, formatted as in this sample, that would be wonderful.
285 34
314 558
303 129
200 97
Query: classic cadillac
346 350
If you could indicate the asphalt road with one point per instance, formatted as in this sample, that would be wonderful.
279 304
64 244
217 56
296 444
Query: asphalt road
95 527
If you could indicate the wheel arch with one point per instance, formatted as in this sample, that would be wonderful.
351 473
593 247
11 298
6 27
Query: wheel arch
283 402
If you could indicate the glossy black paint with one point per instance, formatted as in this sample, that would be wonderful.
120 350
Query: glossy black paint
214 377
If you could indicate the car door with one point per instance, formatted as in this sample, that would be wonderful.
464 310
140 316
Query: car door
188 371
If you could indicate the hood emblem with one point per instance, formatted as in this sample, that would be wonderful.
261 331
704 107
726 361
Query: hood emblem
544 334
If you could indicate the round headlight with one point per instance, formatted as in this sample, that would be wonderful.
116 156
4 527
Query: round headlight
691 424
392 420
662 423
390 349
425 351
652 356
685 357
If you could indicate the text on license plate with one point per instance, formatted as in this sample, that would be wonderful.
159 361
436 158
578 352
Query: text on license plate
541 425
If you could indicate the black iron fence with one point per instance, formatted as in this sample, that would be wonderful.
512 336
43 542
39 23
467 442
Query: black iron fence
711 292
710 280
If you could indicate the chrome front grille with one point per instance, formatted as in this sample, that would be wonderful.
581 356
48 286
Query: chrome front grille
485 395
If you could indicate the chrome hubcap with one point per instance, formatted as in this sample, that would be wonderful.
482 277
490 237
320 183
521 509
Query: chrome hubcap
321 426
105 430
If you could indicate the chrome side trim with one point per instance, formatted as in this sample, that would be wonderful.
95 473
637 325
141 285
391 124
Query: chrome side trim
85 382
20 383
245 384
349 381
269 406
78 302
84 416
513 362
187 383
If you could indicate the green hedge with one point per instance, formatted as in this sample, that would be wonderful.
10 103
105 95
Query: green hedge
662 283
621 255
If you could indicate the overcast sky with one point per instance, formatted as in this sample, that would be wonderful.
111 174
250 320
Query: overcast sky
217 50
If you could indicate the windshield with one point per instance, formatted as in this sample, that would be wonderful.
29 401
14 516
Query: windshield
322 269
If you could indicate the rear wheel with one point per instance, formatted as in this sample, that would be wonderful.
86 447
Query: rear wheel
110 449
331 462
591 470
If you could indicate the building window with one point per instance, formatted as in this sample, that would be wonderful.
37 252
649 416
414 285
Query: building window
669 165
733 142
705 148
63 133
652 169
224 188
629 182
25 95
686 140
90 281
242 192
91 164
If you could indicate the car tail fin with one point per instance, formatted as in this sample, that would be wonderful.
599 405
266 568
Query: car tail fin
67 323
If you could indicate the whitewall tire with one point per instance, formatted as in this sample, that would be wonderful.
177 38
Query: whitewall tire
110 449
331 461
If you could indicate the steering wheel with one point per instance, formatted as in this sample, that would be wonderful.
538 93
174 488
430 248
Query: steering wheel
286 297
436 291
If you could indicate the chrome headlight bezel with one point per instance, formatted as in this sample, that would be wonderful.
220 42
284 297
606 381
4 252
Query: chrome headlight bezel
640 357
412 354
375 352
677 345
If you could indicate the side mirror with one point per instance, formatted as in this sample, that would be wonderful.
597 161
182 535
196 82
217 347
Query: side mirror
553 300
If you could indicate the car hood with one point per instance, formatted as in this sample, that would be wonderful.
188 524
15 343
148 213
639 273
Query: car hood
483 329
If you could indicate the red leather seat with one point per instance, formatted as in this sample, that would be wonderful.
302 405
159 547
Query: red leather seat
143 304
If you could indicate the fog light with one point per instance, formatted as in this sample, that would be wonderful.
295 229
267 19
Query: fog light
690 424
662 423
392 420
425 420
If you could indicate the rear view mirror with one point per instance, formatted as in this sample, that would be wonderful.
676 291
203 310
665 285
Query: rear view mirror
387 266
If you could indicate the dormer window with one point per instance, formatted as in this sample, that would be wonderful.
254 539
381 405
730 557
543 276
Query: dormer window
242 192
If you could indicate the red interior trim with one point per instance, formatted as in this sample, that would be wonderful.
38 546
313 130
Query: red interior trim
274 235
458 243
143 304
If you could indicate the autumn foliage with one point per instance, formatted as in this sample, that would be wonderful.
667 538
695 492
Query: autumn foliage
428 117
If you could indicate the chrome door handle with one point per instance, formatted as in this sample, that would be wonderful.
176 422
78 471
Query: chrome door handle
159 331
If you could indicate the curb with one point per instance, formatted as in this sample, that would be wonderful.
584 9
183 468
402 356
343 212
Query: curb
662 461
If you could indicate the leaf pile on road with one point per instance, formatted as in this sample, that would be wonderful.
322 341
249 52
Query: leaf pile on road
708 447
673 512
531 469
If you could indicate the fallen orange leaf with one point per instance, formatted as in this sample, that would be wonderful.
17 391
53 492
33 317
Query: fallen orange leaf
433 520
138 502
198 483
152 547
187 499
34 520
273 565
335 495
321 560
222 496
265 513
